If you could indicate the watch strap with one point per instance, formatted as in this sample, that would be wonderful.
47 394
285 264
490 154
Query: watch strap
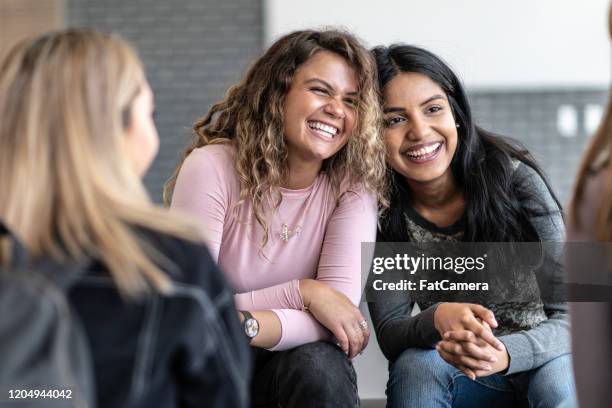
246 314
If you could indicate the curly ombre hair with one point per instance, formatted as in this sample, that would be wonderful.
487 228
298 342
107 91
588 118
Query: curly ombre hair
251 118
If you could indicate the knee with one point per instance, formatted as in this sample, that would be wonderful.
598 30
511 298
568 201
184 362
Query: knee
320 367
552 383
416 363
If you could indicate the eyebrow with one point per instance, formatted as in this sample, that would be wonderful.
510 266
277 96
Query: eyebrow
327 85
392 109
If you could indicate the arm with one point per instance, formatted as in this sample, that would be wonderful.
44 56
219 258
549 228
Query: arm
532 348
591 331
202 191
353 221
395 329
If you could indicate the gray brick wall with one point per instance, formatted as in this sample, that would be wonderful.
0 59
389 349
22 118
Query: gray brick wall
193 51
531 117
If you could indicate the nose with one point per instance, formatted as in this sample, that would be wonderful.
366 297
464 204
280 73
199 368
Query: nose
418 129
335 108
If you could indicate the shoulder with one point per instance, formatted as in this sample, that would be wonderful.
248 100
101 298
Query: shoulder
207 169
534 184
587 208
357 196
215 155
185 261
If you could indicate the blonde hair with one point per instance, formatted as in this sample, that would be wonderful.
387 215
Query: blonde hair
251 118
598 156
67 185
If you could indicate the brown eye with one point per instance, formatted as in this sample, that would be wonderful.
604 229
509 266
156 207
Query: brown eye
393 121
351 102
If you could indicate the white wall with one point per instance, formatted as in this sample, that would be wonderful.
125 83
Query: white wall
491 44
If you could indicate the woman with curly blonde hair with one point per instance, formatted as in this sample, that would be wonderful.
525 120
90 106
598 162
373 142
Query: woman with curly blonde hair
286 173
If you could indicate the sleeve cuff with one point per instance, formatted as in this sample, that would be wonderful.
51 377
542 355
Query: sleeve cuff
520 352
431 336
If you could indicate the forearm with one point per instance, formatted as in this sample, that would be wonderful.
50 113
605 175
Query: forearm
396 330
533 348
269 328
285 295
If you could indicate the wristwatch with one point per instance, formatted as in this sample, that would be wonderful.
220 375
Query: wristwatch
250 324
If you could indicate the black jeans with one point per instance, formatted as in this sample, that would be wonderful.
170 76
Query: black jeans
316 374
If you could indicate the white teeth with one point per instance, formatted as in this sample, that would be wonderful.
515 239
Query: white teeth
323 129
424 150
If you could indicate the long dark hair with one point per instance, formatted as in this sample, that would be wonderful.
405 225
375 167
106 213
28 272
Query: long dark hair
482 165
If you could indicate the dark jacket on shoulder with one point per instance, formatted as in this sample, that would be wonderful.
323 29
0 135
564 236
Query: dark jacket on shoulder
181 350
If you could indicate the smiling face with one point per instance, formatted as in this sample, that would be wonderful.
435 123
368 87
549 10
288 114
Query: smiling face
319 109
420 130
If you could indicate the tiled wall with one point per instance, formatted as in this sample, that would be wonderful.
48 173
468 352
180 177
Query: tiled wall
193 51
555 125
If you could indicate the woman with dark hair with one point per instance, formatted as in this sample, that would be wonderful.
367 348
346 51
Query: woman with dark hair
455 182
286 173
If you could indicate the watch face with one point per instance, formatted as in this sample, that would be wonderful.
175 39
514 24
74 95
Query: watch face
251 328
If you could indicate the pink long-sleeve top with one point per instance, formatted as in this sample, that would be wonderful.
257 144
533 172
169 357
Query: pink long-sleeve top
327 245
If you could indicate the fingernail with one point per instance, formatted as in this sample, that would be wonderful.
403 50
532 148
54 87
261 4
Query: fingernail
492 359
495 322
500 347
487 367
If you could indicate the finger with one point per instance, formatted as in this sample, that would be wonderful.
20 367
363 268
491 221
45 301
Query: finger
465 339
342 338
464 336
484 313
366 333
478 353
460 335
473 363
467 349
355 337
452 347
468 372
464 360
449 358
485 334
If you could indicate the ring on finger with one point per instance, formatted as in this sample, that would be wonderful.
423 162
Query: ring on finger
363 324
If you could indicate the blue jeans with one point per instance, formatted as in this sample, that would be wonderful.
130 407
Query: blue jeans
421 378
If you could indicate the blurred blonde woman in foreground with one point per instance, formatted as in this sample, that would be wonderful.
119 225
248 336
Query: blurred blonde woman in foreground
76 136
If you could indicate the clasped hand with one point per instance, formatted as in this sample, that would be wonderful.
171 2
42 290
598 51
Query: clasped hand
338 314
467 340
